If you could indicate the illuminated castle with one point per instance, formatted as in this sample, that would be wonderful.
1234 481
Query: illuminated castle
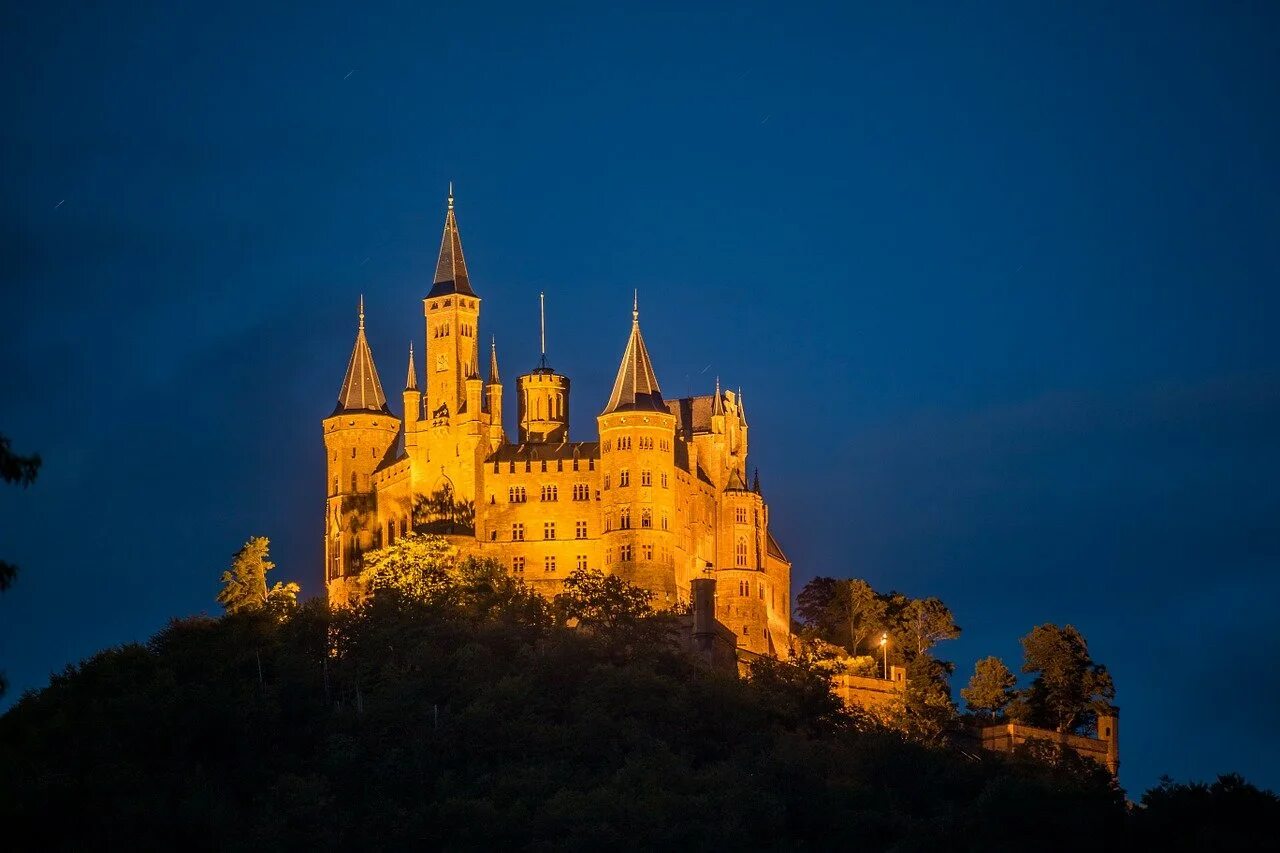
662 497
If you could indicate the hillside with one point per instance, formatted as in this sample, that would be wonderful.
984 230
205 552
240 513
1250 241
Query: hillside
476 719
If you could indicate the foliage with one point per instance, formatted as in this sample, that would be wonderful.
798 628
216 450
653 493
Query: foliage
1229 814
991 688
470 718
1069 689
594 598
441 512
21 470
419 566
847 612
244 585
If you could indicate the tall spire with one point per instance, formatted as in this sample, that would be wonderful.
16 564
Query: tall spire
717 402
451 268
361 391
411 381
473 369
636 386
742 410
493 362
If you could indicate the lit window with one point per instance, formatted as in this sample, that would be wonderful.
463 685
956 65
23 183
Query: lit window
580 530
517 565
548 530
517 532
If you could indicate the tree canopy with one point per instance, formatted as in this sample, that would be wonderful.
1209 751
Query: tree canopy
991 689
244 585
1069 688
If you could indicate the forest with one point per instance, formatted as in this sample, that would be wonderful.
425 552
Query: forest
455 709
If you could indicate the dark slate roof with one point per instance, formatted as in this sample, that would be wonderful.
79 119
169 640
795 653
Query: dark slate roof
693 414
451 269
774 549
536 451
736 483
636 388
361 391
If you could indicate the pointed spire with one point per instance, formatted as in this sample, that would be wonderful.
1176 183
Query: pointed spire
473 369
742 410
411 381
542 330
755 482
636 386
717 402
493 362
451 268
361 391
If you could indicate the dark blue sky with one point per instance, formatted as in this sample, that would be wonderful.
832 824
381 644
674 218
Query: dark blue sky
1000 290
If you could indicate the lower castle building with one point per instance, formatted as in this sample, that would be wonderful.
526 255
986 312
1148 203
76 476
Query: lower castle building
661 497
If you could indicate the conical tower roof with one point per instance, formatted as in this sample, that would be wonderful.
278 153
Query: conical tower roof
636 387
451 268
411 381
493 362
361 391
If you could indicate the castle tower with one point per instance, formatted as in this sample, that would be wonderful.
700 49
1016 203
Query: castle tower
412 403
357 437
452 312
637 463
543 398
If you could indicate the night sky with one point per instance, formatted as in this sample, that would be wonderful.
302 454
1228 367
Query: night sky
1000 290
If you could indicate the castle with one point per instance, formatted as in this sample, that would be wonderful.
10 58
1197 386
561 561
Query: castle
661 498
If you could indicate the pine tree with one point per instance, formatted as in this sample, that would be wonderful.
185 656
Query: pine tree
244 585
991 688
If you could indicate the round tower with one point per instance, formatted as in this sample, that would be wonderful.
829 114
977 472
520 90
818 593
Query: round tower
637 477
543 404
357 436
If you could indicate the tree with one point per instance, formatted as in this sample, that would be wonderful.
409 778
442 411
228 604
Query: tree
594 598
925 623
21 470
417 565
991 688
244 585
846 612
1230 814
440 512
1069 688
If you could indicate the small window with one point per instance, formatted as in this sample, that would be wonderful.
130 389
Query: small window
664 521
744 589
646 518
646 478
575 464
580 530
549 564
517 565
353 453
624 554
647 550
624 518
761 585
354 487
664 479
606 482
740 514
544 466
550 493
740 555
582 562
517 532
624 478
548 530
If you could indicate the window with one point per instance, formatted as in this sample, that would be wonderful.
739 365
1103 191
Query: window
746 630
624 478
581 492
606 482
516 495
664 479
559 464
575 464
624 554
646 443
624 518
664 521
608 522
550 493
663 444
591 464
528 466
624 443
608 556
647 550
580 530
404 526
549 564
761 590
544 466
511 467
353 453
744 588
646 479
354 487
740 556
646 518
517 532
606 446
740 514
548 530
517 565
582 562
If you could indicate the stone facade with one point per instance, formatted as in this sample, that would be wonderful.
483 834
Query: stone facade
660 496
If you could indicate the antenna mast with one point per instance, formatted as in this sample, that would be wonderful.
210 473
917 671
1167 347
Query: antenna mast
542 320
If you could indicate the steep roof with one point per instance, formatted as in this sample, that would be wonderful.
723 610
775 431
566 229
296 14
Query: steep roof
361 391
411 381
636 388
451 268
493 362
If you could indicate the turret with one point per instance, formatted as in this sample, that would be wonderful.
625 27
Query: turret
543 398
473 385
412 402
493 395
357 436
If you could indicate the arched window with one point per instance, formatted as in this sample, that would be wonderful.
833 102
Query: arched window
624 478
646 518
740 557
624 518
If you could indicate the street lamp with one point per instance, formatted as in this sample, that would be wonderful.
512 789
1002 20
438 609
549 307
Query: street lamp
884 647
